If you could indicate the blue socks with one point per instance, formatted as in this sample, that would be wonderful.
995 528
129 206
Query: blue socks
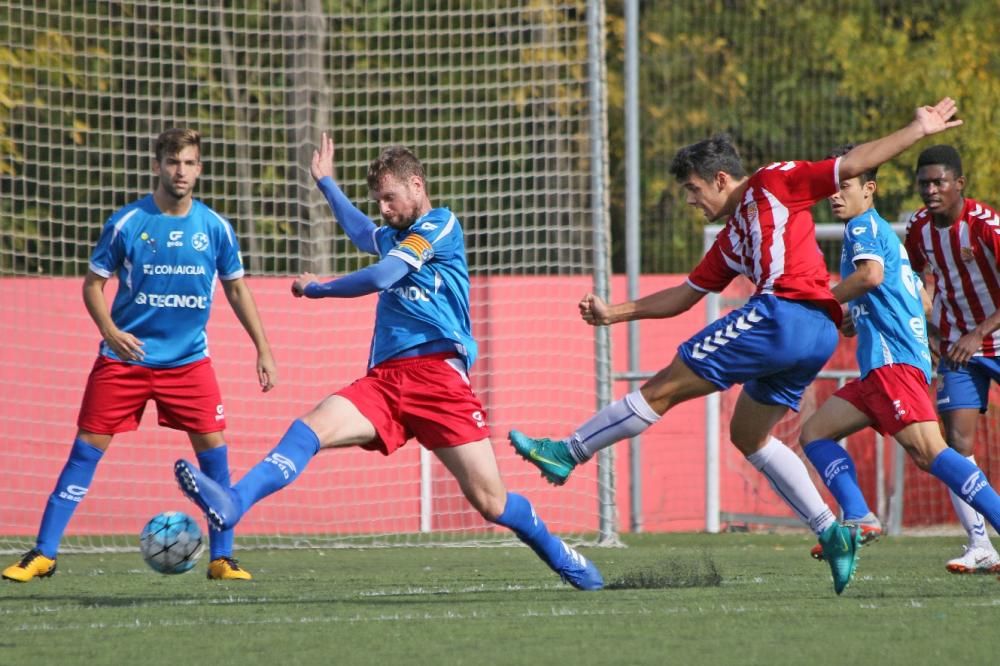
215 464
71 488
968 482
836 467
280 467
519 516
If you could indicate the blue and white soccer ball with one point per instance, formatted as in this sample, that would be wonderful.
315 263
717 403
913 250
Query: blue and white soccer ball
171 542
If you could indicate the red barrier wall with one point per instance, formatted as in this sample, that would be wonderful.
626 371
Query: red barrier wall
544 387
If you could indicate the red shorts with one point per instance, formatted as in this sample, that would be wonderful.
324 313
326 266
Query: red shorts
426 397
893 397
187 397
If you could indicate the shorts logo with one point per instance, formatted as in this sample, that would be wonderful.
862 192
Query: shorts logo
220 413
73 493
480 420
286 466
897 406
722 337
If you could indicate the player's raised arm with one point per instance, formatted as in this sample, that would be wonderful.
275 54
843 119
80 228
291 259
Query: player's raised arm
358 227
927 120
368 280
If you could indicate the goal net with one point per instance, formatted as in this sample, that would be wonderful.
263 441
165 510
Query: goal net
907 499
495 97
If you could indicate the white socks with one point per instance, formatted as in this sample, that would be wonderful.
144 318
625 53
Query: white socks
622 419
790 479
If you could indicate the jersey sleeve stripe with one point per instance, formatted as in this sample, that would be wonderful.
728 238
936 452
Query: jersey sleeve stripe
405 256
696 287
121 223
225 225
447 229
836 174
94 268
869 256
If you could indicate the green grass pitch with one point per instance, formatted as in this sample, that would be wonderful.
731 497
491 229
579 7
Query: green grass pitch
672 599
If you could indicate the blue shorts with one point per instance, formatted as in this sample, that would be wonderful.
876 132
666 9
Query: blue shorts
775 347
966 387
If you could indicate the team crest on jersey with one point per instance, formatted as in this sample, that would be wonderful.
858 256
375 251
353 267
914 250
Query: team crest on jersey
967 254
752 211
200 241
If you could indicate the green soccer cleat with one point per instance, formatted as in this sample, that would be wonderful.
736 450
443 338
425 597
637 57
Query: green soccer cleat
549 455
840 549
871 531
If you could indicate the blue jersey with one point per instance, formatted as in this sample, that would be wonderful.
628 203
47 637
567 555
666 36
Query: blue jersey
890 318
166 269
431 303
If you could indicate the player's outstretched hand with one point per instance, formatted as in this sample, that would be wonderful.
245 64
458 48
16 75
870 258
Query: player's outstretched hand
299 286
937 118
267 371
322 161
594 310
126 346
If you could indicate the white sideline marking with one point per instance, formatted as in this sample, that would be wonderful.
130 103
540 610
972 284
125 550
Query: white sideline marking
334 619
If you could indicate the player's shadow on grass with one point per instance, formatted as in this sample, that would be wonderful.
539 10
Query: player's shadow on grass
668 575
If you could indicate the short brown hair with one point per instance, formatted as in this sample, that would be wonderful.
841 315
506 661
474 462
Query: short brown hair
175 140
398 161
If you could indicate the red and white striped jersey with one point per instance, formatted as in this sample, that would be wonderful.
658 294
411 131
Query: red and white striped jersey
964 260
771 238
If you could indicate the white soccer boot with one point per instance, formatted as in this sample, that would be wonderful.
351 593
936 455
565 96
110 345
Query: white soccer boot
976 560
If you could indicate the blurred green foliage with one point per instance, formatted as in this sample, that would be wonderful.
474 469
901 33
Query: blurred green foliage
492 95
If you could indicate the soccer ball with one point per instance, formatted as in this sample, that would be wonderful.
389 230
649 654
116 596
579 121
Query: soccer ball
171 542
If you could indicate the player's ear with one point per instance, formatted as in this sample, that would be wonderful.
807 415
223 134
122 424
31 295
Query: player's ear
417 184
722 180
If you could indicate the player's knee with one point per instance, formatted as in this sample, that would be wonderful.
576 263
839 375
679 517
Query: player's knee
808 434
923 453
921 459
961 442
